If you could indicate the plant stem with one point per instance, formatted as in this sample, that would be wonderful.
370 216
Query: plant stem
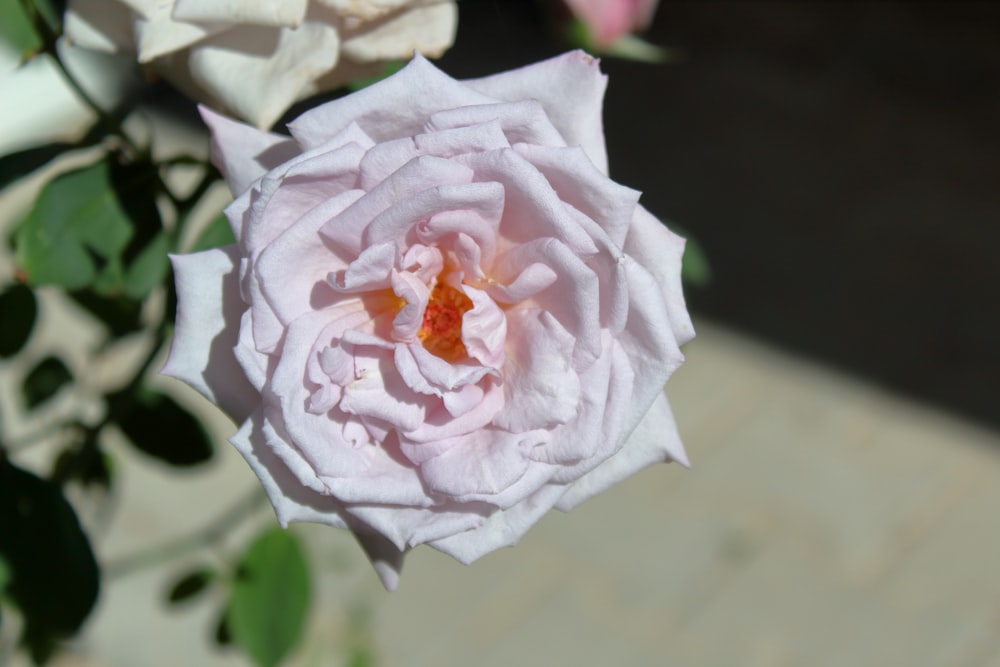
206 536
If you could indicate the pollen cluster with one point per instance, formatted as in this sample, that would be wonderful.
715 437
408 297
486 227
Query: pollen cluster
441 331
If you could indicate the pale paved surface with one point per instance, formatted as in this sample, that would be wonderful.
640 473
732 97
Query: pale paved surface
824 523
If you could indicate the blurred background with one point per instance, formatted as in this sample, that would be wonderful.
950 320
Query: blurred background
839 164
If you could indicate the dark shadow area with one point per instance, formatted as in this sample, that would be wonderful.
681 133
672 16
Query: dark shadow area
838 161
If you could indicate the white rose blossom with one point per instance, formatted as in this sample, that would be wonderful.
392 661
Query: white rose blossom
255 58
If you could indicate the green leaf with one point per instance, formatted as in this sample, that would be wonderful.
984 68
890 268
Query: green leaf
218 233
270 598
190 585
54 577
4 575
75 227
160 427
388 70
149 268
16 28
44 381
19 308
695 269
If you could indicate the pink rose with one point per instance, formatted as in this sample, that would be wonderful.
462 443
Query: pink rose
609 20
441 318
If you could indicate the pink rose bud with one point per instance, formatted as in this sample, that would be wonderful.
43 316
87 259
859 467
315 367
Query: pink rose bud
441 318
608 20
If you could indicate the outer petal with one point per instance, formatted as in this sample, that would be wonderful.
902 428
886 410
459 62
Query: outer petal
243 153
294 502
659 250
259 71
429 30
257 12
101 25
157 34
570 87
655 440
502 529
208 327
392 108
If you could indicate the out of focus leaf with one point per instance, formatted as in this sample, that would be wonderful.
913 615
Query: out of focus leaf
160 427
54 577
189 585
218 233
142 264
75 227
44 381
16 28
17 303
4 575
362 656
388 70
149 268
695 269
270 598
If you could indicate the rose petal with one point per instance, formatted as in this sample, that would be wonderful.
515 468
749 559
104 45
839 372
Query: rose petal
484 329
503 528
470 138
521 121
475 201
429 30
482 463
655 440
531 207
282 63
384 556
99 24
580 184
541 387
600 428
243 153
158 34
394 107
208 320
659 250
569 87
291 500
347 229
428 374
259 12
574 296
292 293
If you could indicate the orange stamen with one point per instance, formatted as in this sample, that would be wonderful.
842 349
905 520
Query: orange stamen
441 331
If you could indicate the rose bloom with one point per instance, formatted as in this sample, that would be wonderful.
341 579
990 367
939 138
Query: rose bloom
255 58
608 20
441 318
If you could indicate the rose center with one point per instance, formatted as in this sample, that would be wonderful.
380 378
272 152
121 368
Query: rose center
441 331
